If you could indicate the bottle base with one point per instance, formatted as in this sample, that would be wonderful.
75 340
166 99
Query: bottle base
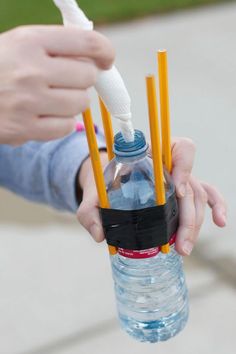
156 331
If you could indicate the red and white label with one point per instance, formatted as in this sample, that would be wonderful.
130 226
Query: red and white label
172 240
151 252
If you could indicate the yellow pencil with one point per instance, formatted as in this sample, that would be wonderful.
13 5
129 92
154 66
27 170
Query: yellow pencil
165 109
107 126
156 146
96 164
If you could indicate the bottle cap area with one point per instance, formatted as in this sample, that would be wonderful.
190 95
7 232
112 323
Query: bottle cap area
132 148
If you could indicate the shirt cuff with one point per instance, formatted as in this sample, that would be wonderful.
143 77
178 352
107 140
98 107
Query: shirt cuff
64 167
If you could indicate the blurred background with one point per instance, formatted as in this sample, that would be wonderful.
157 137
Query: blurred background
15 12
56 289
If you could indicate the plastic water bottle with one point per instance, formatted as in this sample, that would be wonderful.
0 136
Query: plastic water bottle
150 288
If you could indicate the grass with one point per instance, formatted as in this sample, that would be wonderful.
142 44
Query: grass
18 12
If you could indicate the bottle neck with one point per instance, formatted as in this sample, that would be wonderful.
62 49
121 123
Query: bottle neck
130 159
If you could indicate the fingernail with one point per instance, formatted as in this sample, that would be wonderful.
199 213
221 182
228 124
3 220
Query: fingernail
222 214
188 247
224 219
182 190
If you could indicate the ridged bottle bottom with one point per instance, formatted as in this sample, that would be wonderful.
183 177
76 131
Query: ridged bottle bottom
158 330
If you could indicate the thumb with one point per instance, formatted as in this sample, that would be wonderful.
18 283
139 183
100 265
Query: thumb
183 152
88 216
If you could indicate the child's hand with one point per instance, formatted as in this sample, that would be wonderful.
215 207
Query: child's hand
88 213
193 196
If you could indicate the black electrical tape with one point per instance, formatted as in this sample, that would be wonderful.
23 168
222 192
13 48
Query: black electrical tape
143 228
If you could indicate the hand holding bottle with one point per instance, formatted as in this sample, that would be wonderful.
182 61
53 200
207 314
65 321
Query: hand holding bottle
193 197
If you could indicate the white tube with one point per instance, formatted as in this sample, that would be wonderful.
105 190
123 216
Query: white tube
110 85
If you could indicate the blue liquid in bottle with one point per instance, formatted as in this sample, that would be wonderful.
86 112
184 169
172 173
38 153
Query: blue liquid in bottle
150 288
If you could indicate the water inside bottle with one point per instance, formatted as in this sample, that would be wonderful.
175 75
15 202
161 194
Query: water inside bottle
151 293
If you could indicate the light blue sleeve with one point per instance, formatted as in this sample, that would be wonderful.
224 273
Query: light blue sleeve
46 172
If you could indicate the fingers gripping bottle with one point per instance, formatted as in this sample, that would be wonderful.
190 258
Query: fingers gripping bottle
150 289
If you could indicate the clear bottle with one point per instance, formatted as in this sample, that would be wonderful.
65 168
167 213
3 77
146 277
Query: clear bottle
150 288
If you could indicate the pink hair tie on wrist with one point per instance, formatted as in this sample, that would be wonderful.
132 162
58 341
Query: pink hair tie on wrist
80 127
